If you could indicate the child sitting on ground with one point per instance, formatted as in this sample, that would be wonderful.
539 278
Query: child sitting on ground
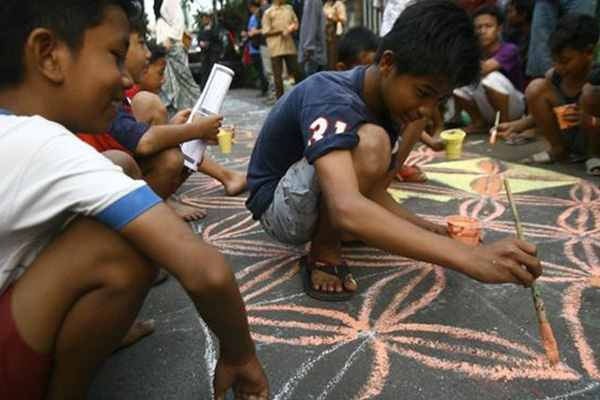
321 165
81 240
147 108
572 45
501 87
158 157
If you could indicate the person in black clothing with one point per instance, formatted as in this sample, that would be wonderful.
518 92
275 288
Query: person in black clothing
210 46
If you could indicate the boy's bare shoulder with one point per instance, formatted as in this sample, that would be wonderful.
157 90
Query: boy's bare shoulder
146 99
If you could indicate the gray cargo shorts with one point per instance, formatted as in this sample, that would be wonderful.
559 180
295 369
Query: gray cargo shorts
292 216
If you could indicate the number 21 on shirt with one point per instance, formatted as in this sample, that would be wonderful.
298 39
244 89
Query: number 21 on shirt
319 129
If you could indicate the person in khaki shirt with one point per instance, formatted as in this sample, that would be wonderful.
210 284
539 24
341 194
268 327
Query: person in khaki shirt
335 14
278 25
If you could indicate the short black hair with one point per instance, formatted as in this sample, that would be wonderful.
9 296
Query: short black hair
435 38
68 19
524 6
157 51
489 9
355 41
576 31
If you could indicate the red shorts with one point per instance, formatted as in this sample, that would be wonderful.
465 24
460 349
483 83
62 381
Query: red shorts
23 371
102 143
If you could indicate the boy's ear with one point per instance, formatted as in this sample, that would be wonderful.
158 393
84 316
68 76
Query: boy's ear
387 63
45 52
340 66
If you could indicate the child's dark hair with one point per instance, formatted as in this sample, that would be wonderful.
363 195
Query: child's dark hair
435 38
355 41
489 9
524 6
138 23
157 51
576 31
67 19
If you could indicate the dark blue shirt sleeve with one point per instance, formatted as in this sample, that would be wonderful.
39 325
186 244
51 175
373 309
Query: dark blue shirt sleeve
126 130
328 127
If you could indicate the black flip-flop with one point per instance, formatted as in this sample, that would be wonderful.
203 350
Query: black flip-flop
341 271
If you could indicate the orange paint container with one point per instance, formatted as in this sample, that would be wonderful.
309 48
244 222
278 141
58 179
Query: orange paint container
464 229
560 112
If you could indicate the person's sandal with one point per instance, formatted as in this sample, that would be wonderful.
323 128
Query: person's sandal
341 271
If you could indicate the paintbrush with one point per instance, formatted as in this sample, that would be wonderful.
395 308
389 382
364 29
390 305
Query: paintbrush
548 340
494 130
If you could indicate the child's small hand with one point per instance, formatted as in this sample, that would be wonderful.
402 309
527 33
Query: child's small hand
504 130
208 126
506 261
437 144
181 117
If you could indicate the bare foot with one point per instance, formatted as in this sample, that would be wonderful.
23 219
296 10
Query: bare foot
331 283
188 213
137 331
235 183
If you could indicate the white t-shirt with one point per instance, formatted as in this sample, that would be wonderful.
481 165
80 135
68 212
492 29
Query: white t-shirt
171 23
49 176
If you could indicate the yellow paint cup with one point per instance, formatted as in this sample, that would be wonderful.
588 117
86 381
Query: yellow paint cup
225 138
454 140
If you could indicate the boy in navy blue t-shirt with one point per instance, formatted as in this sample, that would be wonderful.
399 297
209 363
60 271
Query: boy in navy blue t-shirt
328 150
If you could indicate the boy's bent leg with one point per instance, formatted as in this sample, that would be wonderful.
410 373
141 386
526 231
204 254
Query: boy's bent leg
164 173
467 99
125 161
234 181
78 299
503 96
371 159
541 99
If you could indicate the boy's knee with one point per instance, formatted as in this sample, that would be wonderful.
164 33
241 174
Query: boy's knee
125 161
537 89
170 161
495 82
372 155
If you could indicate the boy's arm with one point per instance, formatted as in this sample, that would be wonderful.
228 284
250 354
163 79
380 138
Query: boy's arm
489 65
160 137
353 214
205 275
